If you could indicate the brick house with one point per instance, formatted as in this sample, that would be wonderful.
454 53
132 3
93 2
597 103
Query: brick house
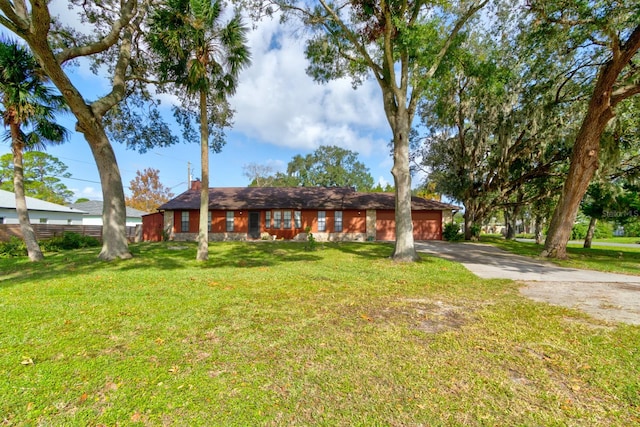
333 214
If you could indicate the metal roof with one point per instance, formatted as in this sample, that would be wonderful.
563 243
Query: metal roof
8 201
94 207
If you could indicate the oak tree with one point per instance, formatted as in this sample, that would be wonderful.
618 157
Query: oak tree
147 192
327 166
401 45
490 139
330 166
109 37
606 35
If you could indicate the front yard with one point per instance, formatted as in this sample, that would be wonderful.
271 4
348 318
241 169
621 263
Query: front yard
271 334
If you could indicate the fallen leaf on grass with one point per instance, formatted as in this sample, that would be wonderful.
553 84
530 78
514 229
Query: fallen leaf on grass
366 317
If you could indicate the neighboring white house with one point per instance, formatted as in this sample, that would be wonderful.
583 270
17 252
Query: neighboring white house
93 209
40 212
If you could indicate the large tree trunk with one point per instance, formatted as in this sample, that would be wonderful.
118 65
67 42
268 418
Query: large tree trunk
28 234
114 215
203 227
584 163
511 228
114 233
584 157
590 232
511 218
404 249
538 229
469 222
473 217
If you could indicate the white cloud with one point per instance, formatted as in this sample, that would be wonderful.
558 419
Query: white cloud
383 182
91 193
279 104
277 165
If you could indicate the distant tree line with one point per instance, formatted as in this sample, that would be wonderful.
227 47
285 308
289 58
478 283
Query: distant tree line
328 166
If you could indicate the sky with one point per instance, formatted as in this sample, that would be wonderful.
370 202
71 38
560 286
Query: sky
280 112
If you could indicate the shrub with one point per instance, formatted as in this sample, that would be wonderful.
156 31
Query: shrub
69 240
311 241
632 229
14 247
579 231
604 230
525 236
451 232
475 231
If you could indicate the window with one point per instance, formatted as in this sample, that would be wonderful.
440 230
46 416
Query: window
69 221
267 219
322 221
287 219
43 220
184 222
209 221
338 222
229 220
277 219
1 220
297 219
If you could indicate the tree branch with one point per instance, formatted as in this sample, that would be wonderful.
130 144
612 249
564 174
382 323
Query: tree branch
456 29
353 39
128 11
623 93
15 19
119 81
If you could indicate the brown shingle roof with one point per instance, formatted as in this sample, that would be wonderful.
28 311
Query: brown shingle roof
335 198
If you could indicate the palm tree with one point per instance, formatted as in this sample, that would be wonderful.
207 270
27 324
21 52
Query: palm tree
203 59
27 103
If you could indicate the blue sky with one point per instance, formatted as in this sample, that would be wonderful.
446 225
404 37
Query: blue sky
280 112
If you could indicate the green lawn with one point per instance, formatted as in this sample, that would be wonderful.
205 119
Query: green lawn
611 259
635 240
270 334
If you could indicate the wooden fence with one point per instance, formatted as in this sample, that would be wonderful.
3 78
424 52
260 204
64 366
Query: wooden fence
47 231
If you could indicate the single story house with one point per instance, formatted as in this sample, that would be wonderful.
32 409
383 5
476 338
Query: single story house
40 211
285 213
93 209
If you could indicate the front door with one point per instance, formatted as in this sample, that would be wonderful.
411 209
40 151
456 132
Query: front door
254 225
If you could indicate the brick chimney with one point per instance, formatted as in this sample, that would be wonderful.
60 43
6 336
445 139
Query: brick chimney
196 185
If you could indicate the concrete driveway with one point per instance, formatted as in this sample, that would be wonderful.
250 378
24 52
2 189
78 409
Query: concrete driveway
613 297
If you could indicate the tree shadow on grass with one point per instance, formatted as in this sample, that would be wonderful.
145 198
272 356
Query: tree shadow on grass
159 257
166 256
364 249
372 251
261 254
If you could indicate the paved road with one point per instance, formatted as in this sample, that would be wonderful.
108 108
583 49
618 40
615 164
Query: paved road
612 297
489 262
